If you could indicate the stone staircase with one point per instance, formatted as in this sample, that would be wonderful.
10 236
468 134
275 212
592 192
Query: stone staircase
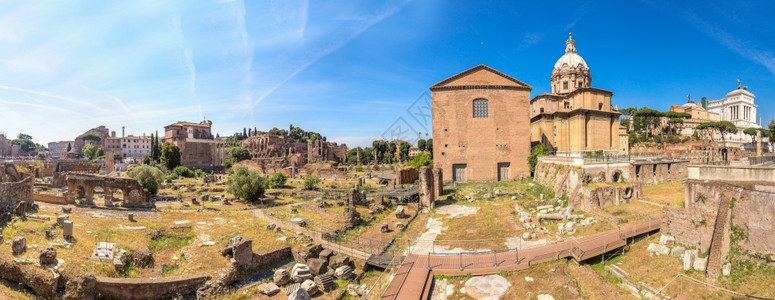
715 259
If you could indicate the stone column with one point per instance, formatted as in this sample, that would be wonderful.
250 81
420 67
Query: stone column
758 143
438 182
426 188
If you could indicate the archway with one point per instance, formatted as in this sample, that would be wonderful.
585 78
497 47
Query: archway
617 176
627 193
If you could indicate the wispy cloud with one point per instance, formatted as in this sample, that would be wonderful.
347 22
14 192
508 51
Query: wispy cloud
188 59
530 39
726 38
329 46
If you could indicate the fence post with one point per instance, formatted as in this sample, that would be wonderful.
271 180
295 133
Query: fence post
495 257
428 265
460 255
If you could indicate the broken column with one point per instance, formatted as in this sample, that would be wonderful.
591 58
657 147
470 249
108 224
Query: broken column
438 182
426 188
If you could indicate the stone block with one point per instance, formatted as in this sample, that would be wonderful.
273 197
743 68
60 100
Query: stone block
300 294
688 259
19 245
61 219
677 251
384 228
326 253
130 217
310 286
658 249
300 273
726 269
667 240
67 209
337 261
401 212
317 265
281 277
700 264
268 289
48 256
67 229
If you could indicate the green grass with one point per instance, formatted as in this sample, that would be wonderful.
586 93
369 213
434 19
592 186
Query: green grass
166 239
170 270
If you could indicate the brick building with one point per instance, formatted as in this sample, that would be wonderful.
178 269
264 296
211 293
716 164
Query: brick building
574 117
100 131
6 148
481 129
198 147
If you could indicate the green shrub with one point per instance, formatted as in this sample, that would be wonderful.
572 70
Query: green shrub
277 180
311 183
359 168
239 154
421 159
145 174
184 172
532 159
245 184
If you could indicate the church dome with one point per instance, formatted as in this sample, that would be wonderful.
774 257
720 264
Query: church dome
570 72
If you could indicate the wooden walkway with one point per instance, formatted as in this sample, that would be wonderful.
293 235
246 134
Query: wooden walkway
414 276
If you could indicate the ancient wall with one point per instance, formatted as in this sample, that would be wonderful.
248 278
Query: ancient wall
605 196
49 199
77 166
43 282
81 187
715 210
694 151
741 173
151 288
12 193
407 176
270 258
198 154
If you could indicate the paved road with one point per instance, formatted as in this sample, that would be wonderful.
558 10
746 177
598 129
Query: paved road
413 278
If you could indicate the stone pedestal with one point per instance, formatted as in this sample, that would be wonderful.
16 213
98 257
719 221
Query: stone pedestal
67 228
438 182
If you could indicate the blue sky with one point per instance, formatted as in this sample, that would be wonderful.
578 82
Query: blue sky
350 69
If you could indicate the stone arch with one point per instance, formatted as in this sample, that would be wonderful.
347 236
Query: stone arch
617 177
627 193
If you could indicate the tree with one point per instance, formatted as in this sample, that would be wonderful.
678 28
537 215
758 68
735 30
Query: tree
25 142
403 150
91 136
537 150
429 147
421 144
23 136
69 147
148 176
646 120
311 183
246 184
100 152
147 160
157 149
754 131
244 133
239 154
88 151
277 180
379 149
170 155
421 159
722 127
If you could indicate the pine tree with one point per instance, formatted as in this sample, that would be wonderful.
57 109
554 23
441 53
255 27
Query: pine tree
244 133
69 147
153 146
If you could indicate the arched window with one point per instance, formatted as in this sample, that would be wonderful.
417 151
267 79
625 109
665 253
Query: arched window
480 108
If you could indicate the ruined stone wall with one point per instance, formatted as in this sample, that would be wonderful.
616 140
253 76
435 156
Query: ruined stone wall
407 176
694 151
156 288
43 282
13 193
605 196
198 154
49 199
77 166
81 187
270 258
751 209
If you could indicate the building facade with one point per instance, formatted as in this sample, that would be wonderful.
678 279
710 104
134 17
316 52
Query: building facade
198 147
129 146
6 147
699 114
100 131
58 149
481 125
739 108
575 117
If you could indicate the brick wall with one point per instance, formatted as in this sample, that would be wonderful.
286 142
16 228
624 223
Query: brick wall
146 288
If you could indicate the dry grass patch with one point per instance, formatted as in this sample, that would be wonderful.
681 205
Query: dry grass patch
487 229
635 212
668 193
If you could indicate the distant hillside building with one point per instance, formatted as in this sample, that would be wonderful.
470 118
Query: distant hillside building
128 146
699 114
574 117
58 149
198 147
273 146
100 131
6 148
481 129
